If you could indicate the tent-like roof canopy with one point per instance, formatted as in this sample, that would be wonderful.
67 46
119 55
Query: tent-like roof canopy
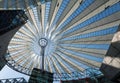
79 33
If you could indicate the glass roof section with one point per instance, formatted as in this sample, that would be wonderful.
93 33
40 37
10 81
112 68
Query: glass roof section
79 33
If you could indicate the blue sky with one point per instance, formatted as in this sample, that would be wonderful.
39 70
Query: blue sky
7 72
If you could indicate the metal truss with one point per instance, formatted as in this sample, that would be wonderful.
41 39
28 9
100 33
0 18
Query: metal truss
87 73
13 80
90 72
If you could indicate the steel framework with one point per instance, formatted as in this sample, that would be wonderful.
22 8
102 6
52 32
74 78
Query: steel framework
13 80
90 72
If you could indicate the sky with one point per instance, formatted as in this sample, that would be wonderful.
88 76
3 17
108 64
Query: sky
7 72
